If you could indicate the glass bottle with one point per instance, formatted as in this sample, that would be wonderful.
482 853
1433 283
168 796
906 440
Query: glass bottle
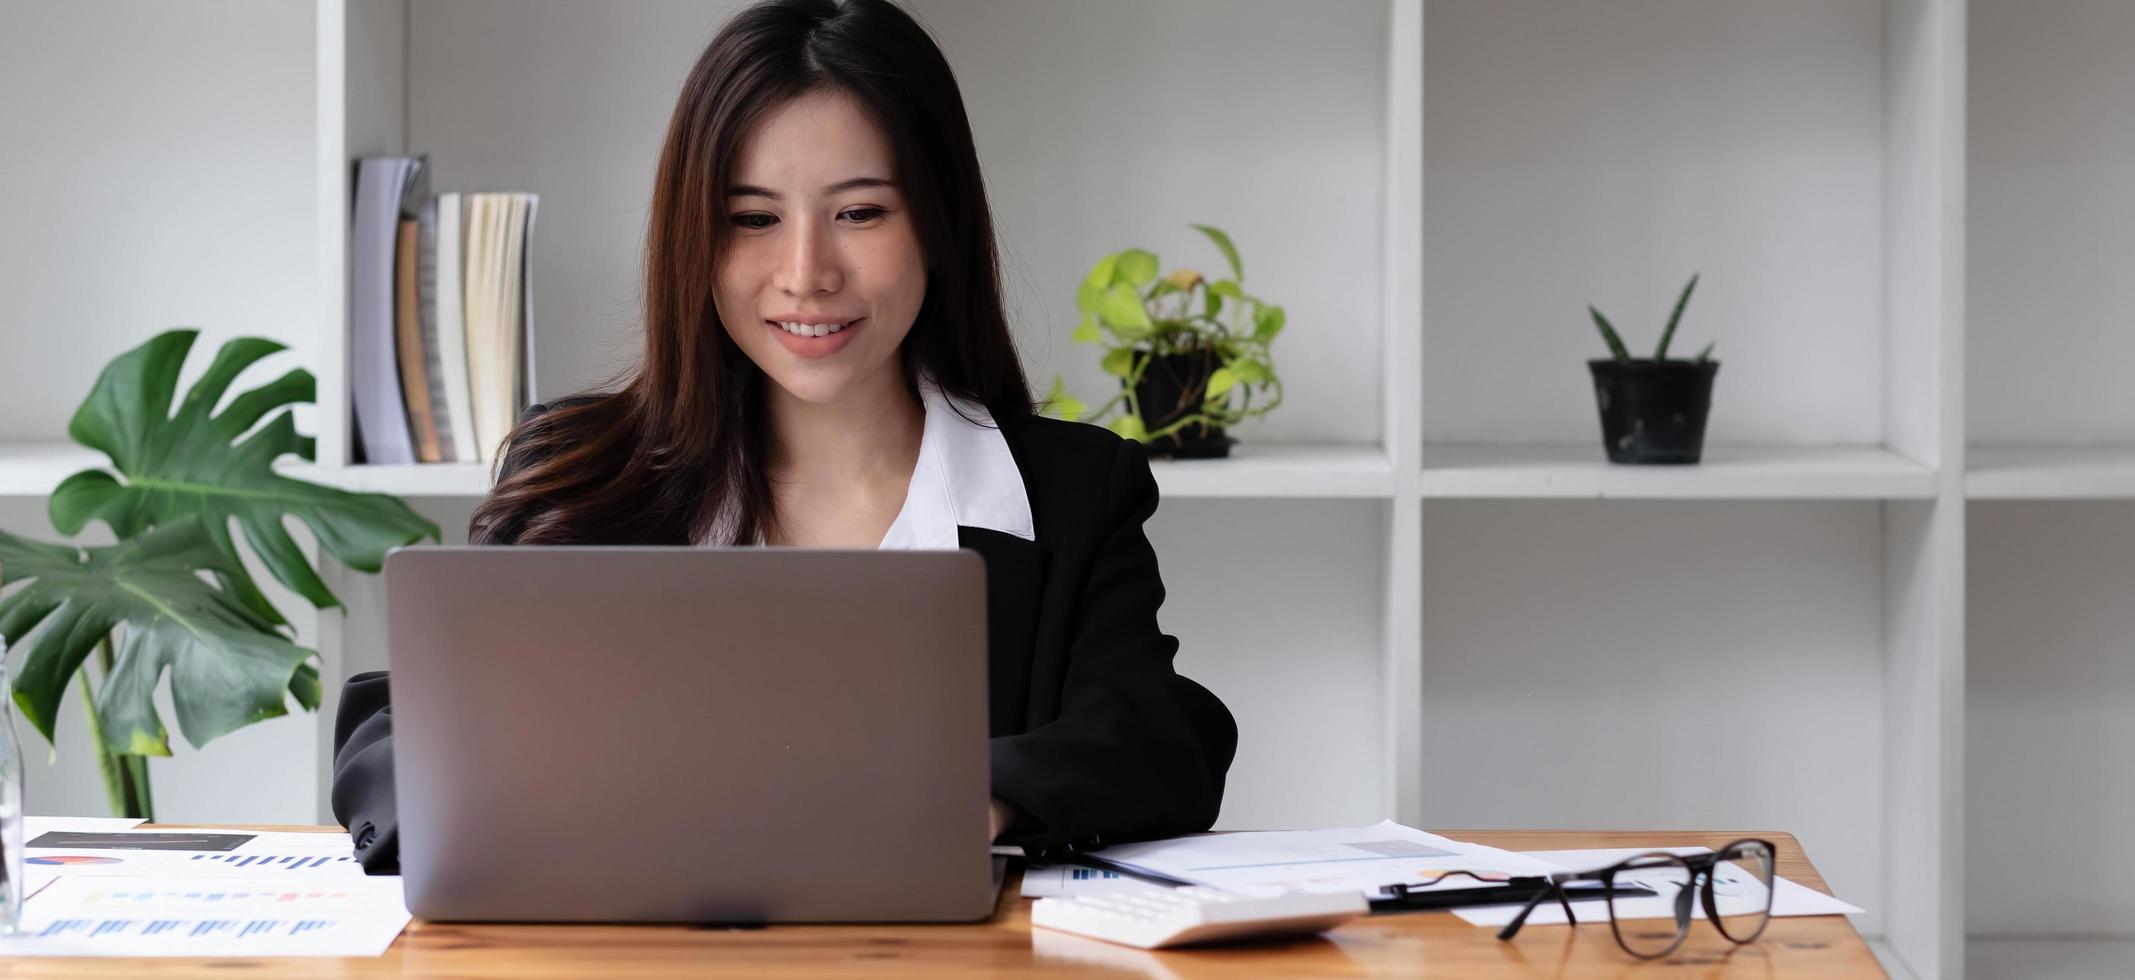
10 804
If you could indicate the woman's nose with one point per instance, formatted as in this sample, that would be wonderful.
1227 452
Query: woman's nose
810 264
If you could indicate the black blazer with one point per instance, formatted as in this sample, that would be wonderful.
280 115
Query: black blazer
1095 739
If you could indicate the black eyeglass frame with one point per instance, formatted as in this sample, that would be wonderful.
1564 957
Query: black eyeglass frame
1699 865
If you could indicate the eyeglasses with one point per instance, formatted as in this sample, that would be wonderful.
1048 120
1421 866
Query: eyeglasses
1736 890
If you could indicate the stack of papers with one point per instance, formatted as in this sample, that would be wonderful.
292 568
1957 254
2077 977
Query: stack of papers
1364 859
93 887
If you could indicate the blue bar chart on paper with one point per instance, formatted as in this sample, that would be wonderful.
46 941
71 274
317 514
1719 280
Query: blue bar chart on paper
275 862
240 928
209 916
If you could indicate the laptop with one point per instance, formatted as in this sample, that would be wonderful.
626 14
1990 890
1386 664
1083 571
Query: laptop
706 735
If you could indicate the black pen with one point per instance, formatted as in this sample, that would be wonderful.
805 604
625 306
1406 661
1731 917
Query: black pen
1410 898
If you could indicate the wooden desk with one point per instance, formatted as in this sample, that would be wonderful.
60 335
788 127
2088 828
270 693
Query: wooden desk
1416 944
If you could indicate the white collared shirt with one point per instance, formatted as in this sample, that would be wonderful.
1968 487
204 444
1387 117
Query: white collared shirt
965 477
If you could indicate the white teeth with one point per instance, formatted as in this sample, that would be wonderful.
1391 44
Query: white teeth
812 329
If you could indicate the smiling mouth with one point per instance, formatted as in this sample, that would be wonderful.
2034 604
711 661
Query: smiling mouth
811 329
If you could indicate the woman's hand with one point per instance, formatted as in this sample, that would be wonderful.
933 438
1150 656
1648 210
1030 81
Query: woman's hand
998 817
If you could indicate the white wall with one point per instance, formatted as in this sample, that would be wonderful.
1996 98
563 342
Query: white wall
157 171
1567 162
2050 717
1277 607
1104 124
2052 213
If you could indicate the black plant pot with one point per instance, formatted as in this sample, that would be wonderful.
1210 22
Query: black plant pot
1171 389
1653 411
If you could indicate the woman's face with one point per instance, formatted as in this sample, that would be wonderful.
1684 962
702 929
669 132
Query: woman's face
822 274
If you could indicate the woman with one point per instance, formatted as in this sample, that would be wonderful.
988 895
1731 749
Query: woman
827 364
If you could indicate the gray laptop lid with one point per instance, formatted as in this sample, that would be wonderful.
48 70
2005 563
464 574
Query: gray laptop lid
690 734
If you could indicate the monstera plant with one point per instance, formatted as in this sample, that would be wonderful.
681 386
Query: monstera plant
173 595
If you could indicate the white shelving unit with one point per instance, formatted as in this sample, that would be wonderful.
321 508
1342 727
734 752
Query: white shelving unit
1254 471
1773 637
2051 472
1725 472
1884 614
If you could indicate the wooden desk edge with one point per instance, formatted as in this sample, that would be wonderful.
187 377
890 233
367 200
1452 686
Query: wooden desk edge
1793 864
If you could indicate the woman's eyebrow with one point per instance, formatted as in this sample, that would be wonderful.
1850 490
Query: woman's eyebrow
751 190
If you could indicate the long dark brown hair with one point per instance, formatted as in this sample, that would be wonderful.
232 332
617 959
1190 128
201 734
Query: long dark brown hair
680 438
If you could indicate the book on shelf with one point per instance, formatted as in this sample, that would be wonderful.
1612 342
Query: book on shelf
408 340
381 412
498 313
441 350
451 324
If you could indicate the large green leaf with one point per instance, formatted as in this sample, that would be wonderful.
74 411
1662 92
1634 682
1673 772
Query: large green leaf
194 462
228 666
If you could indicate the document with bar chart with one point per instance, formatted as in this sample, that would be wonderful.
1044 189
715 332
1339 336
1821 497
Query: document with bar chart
269 855
204 916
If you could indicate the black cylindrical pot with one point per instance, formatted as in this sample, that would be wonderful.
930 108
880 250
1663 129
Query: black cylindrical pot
1171 388
1653 411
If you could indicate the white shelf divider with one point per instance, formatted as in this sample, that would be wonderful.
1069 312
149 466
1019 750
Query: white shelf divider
1402 281
2008 472
32 469
407 480
1281 470
1727 472
1254 470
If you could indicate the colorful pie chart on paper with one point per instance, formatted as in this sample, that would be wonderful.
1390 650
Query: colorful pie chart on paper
70 859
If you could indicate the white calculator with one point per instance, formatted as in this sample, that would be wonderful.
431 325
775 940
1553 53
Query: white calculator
1179 916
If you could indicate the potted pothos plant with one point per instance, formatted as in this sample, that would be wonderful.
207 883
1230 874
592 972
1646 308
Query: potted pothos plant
172 595
1192 354
1653 410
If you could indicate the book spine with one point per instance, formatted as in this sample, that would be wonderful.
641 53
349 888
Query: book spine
510 293
414 384
452 325
527 392
426 310
374 383
492 418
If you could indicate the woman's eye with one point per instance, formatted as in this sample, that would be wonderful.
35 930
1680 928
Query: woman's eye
862 215
754 221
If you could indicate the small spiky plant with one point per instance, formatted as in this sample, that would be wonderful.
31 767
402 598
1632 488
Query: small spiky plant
1621 353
